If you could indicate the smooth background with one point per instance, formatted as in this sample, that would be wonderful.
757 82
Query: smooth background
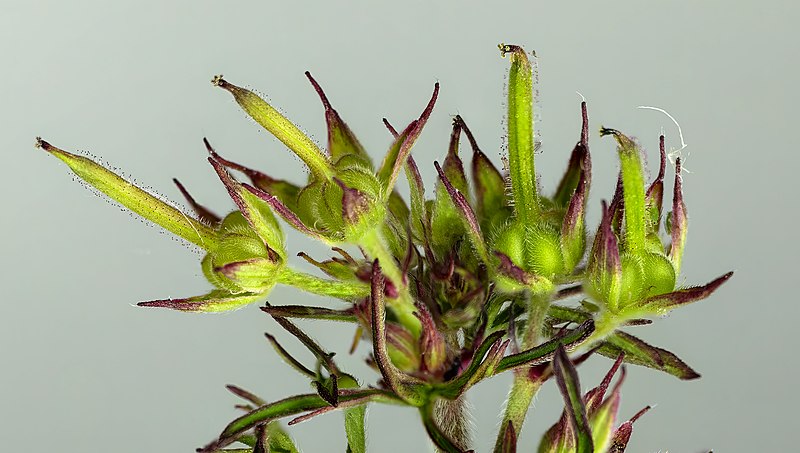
83 370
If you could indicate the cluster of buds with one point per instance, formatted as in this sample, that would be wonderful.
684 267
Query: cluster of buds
587 423
447 291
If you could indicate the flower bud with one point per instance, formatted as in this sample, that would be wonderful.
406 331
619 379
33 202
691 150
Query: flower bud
635 277
431 344
255 211
604 270
600 412
401 346
678 220
446 219
654 197
251 250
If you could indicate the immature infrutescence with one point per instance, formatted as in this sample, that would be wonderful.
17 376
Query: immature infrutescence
447 291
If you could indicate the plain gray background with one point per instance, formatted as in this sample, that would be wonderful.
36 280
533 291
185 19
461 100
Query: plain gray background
83 370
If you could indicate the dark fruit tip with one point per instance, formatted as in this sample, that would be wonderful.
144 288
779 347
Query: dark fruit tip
608 131
510 48
584 123
389 126
219 81
43 144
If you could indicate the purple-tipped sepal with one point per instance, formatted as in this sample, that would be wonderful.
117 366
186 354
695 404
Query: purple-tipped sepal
573 227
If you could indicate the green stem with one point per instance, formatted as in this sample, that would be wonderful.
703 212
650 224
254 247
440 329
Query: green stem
519 400
523 389
537 312
323 287
402 306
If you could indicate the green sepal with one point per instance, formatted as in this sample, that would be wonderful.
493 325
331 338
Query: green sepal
341 140
369 210
604 270
419 213
286 214
278 440
575 186
313 211
287 407
397 205
619 442
491 202
453 166
638 352
447 225
544 352
577 164
569 385
602 411
601 414
355 430
134 198
602 421
662 304
654 197
509 443
257 213
463 213
678 220
511 278
403 348
216 301
306 312
398 208
432 346
285 191
398 153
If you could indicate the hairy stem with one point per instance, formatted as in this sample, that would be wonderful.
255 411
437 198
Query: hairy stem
453 418
523 389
